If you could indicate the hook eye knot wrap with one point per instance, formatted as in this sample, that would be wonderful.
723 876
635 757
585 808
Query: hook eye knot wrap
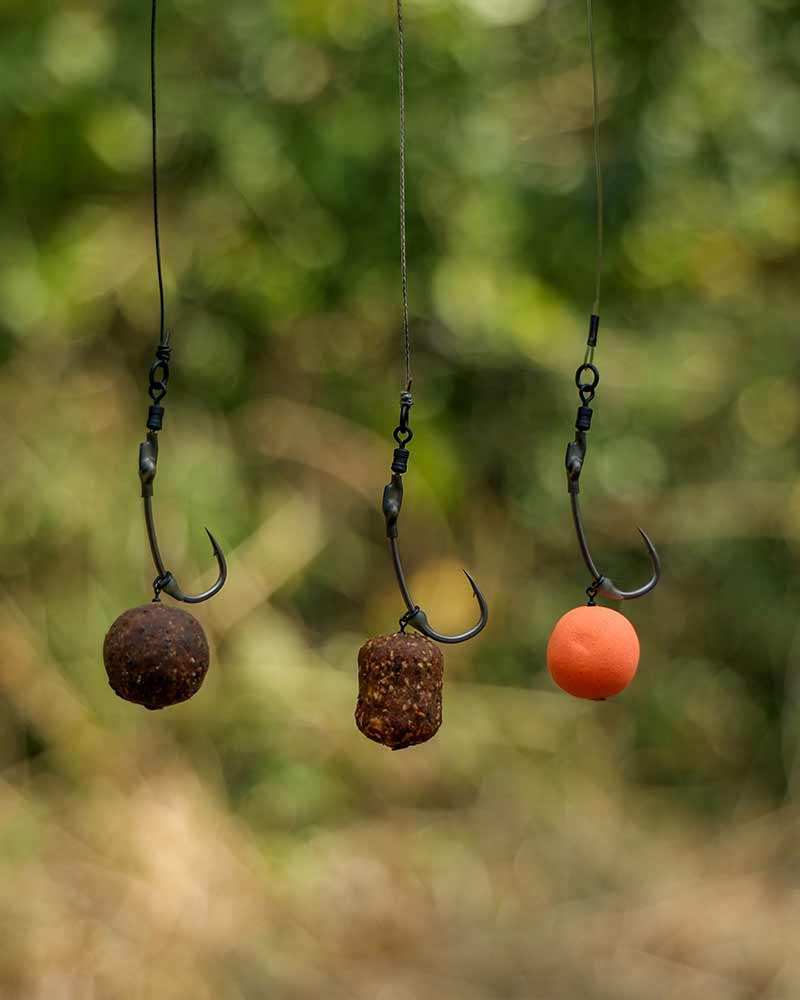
403 433
159 373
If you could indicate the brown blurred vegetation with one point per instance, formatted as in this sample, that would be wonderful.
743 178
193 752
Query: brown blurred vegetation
251 843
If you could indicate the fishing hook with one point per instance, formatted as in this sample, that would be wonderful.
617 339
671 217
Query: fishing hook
392 502
576 454
148 462
416 617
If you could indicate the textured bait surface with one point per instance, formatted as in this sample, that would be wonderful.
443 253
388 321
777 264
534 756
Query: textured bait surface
156 656
400 681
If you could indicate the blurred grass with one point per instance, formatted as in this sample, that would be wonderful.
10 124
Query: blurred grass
251 843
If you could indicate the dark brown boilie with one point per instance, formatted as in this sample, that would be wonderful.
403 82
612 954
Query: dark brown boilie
156 656
400 681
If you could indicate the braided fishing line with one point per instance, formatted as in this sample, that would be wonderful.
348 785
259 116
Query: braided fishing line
154 128
401 76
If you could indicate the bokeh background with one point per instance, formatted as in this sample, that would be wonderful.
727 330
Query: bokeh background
252 843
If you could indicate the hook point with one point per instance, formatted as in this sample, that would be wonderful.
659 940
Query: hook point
475 588
217 549
648 541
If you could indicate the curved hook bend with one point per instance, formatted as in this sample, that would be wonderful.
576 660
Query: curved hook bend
416 617
576 453
148 462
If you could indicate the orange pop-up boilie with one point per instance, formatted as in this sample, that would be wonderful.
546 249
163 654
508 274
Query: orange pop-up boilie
594 652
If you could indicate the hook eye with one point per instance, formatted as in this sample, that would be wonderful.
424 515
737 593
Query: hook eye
587 367
587 390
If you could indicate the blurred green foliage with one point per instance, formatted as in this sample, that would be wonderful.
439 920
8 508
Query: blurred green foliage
251 843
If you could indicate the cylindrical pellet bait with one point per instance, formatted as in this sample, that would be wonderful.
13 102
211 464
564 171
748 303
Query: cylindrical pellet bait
593 653
400 680
156 656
